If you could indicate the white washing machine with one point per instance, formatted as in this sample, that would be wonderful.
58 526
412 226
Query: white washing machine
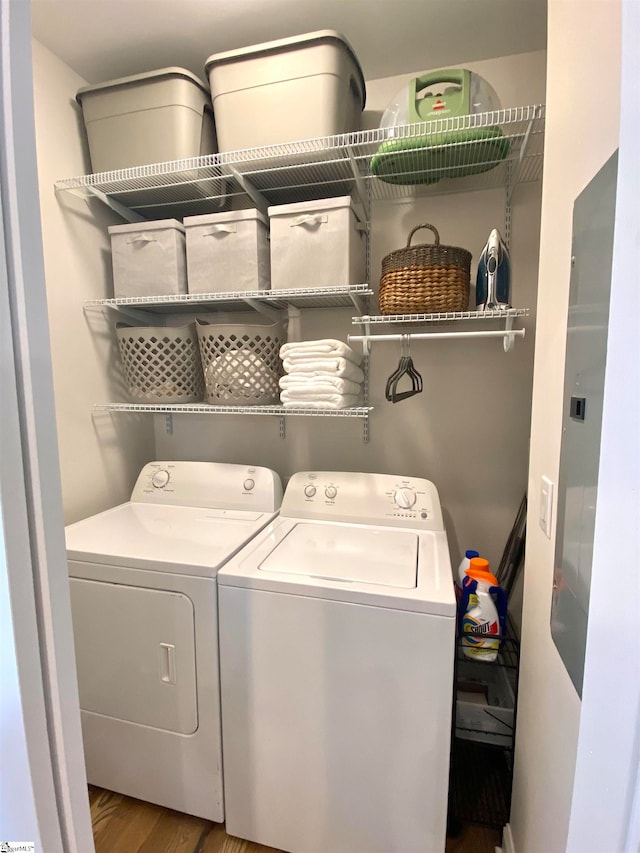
337 630
144 605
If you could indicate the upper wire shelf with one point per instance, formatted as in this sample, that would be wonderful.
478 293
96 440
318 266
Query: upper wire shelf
456 154
318 297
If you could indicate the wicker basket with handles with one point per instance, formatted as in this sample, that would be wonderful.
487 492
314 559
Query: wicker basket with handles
425 279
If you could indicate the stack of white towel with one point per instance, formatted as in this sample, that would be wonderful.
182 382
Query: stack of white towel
322 374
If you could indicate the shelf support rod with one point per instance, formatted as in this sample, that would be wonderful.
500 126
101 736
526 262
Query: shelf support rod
271 313
515 175
134 314
361 188
254 194
125 212
368 339
358 303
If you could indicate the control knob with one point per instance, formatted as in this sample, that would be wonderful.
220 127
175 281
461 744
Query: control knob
404 498
309 491
160 479
330 492
248 484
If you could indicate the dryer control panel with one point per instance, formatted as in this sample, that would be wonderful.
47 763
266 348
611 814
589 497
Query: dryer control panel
383 499
214 485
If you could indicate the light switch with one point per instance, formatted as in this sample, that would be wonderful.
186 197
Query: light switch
546 505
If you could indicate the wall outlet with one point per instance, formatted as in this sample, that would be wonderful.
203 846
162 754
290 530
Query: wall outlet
546 505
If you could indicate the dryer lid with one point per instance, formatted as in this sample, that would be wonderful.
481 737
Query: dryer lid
178 539
348 554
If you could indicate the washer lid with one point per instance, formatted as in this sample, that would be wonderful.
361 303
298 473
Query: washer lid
177 539
350 554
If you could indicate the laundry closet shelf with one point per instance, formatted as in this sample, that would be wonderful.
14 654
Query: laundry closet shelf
442 156
508 334
208 409
442 317
321 297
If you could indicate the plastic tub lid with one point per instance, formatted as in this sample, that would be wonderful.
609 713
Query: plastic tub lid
155 225
173 71
334 203
225 216
291 42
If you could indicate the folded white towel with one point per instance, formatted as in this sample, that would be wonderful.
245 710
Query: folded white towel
302 383
319 348
325 367
338 401
312 396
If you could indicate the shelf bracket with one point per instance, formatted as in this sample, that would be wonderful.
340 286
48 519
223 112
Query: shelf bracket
509 338
168 424
247 187
358 303
134 314
361 189
514 177
283 427
272 314
364 339
125 212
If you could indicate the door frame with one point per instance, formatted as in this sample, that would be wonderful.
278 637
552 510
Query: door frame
42 710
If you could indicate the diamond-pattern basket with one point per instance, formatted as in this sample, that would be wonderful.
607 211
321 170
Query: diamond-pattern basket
161 363
241 362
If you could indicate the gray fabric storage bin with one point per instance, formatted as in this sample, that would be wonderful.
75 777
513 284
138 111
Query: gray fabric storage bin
147 118
317 244
227 252
148 258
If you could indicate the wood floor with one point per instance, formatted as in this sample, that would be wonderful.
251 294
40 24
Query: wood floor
123 825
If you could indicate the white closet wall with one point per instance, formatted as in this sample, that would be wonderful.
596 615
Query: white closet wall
469 430
581 134
100 455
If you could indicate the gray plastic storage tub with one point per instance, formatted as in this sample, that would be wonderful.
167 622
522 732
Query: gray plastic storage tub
147 118
303 87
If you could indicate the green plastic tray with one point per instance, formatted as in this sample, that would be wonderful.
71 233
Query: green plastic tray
427 159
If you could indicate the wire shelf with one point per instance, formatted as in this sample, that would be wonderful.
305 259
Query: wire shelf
446 155
319 297
442 317
206 409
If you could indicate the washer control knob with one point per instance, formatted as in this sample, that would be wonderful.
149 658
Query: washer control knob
330 492
160 479
309 491
248 484
404 498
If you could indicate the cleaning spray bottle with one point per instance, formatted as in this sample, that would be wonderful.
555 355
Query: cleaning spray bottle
465 562
482 611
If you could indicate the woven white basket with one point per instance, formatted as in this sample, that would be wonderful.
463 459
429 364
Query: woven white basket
161 363
241 362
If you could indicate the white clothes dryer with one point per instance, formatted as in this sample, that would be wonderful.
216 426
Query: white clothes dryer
144 606
337 632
